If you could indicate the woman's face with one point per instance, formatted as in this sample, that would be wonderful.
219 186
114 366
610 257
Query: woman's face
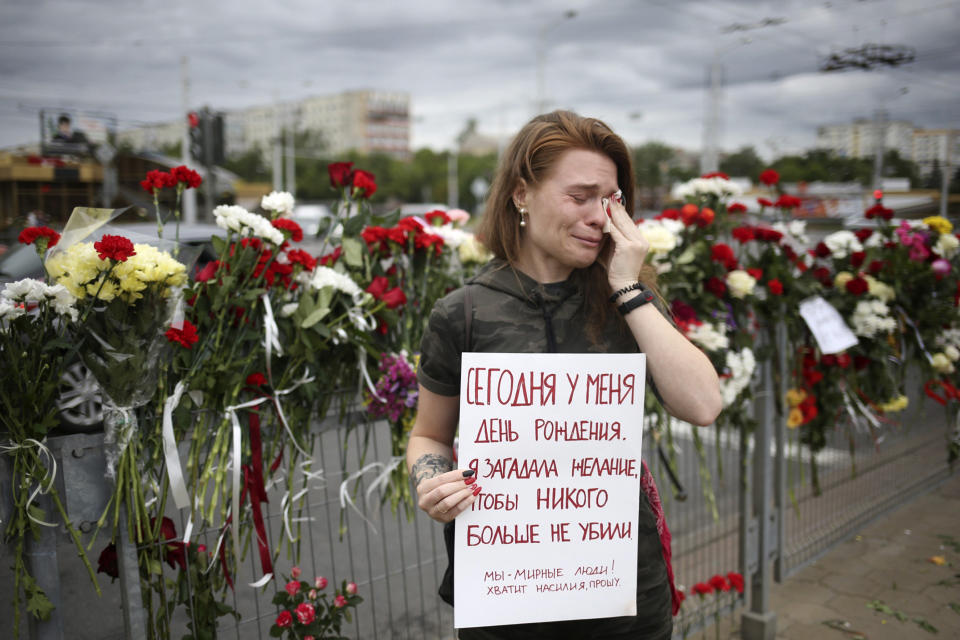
565 219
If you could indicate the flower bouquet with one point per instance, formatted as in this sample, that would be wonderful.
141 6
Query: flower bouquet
306 613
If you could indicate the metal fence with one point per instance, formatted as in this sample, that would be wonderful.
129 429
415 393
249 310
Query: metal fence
398 564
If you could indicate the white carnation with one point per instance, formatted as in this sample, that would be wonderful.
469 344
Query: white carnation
702 187
279 201
946 245
795 230
326 277
709 336
741 366
452 237
842 243
236 218
9 310
872 318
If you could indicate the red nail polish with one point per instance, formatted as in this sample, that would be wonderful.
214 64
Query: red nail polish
469 481
476 489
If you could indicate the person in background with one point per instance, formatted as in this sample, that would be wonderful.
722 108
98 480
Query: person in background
569 276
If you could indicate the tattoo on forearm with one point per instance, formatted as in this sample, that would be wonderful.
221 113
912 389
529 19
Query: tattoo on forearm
429 465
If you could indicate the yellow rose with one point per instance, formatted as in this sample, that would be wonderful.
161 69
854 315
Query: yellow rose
941 363
796 396
659 238
472 250
795 419
741 283
842 279
880 290
938 224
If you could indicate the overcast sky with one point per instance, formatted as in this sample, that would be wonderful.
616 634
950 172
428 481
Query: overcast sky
641 65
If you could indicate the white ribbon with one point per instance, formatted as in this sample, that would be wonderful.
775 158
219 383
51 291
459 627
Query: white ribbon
271 334
381 481
345 498
43 486
178 485
362 359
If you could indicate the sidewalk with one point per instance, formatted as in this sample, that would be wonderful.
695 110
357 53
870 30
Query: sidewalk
882 584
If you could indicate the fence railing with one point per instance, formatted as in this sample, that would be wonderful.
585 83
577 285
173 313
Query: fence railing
398 564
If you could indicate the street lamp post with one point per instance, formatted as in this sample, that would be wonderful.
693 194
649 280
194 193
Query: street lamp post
542 56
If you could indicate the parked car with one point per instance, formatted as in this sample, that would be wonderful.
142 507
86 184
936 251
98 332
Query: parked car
79 402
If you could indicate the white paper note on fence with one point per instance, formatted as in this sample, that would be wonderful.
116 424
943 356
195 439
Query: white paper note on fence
556 443
829 330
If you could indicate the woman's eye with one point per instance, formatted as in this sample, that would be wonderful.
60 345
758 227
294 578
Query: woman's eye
578 199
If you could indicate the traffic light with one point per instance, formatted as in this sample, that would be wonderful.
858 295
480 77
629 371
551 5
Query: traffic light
206 137
195 120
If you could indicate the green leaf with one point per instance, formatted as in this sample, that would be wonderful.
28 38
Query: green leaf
352 251
926 626
314 317
276 632
38 604
219 244
352 226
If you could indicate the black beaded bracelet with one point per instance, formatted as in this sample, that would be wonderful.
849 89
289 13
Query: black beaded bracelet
626 289
637 301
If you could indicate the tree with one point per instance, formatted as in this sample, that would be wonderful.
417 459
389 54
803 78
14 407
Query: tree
934 179
249 165
745 163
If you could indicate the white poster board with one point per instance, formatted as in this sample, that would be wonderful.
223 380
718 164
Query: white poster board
555 440
827 326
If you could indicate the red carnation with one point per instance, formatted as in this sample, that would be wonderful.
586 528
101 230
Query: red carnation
341 174
743 234
682 311
767 234
394 298
775 286
256 379
857 258
156 180
331 258
736 581
716 286
114 248
857 286
844 360
187 176
363 183
669 214
828 360
876 266
716 174
822 250
44 237
769 177
755 273
719 583
702 589
878 211
185 335
763 202
863 234
378 287
823 275
706 217
434 216
787 202
688 213
291 228
284 620
208 271
723 254
306 613
301 257
736 207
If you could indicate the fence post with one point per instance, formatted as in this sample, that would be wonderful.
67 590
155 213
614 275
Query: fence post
134 623
760 623
780 462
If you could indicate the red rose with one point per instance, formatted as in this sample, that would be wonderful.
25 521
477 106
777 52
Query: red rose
828 360
669 214
789 252
716 286
755 273
876 266
688 213
107 562
857 258
320 583
256 380
331 258
341 174
284 620
363 183
822 250
736 581
736 207
190 178
863 234
843 360
769 177
810 410
857 286
378 287
719 583
290 228
185 335
437 216
45 237
352 588
306 613
878 211
114 248
723 254
763 202
775 286
787 202
823 275
301 257
743 234
768 235
812 377
394 298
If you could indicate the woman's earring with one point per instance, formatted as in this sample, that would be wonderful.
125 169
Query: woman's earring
523 212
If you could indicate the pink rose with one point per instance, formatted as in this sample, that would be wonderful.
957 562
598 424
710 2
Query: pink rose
292 588
940 267
339 602
295 573
352 588
320 583
284 619
312 594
